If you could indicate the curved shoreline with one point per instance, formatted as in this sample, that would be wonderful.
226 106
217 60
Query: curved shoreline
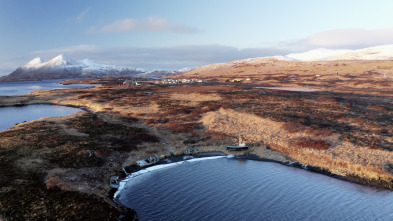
244 156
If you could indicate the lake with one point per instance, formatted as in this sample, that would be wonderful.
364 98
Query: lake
9 116
222 188
24 87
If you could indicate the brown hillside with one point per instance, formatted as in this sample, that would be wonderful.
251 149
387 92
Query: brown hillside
316 74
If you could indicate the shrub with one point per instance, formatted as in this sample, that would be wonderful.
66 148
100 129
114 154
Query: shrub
215 135
181 127
150 121
85 96
316 130
176 111
376 107
328 100
99 122
143 137
213 107
313 144
373 147
291 127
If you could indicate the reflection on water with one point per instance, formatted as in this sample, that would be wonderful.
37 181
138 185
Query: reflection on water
9 116
24 87
229 189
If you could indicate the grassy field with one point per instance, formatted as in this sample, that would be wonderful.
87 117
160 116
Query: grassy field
54 168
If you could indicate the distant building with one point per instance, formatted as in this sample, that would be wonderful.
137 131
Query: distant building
129 82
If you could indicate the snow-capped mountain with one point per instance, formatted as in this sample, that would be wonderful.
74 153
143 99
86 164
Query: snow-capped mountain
316 54
62 66
35 63
384 52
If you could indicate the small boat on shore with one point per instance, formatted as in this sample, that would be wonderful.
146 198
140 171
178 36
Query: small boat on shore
243 147
240 146
114 182
148 161
191 150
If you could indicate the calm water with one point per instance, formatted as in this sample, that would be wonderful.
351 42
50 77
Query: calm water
232 189
9 116
24 87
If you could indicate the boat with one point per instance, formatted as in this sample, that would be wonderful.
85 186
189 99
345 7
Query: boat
191 150
240 146
114 182
148 161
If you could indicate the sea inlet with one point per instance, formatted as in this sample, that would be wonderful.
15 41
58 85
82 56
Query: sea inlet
228 188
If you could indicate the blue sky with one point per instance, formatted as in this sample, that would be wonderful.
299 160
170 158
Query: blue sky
173 34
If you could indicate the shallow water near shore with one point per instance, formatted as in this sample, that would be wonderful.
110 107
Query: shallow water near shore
9 116
24 87
223 188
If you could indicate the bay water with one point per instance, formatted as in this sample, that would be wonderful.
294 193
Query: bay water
222 188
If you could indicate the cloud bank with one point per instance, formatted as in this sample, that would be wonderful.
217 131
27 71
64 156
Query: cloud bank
147 24
350 38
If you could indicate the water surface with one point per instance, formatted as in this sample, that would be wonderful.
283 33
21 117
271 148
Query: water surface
232 189
9 116
24 87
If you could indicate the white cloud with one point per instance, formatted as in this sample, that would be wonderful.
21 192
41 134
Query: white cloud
67 50
351 38
81 16
147 24
161 24
118 26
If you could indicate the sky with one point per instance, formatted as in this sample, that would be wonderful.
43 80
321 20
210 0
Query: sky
172 34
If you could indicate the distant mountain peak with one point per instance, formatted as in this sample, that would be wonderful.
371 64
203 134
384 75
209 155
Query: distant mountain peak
35 63
61 60
63 66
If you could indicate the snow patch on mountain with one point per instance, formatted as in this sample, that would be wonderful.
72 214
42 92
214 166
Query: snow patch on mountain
35 63
60 60
316 54
87 66
62 66
384 52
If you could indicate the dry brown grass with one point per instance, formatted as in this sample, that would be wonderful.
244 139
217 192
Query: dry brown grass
195 98
347 133
323 149
270 72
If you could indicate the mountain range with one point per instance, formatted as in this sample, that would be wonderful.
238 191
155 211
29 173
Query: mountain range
64 67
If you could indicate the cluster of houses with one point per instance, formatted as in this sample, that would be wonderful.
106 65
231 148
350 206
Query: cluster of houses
129 82
179 81
238 80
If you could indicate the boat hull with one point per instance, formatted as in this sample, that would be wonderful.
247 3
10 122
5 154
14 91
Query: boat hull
148 161
237 148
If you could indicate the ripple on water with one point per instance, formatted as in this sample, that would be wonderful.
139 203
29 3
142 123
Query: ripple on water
230 189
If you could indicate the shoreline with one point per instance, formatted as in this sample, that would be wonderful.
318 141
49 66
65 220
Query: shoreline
244 156
167 120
